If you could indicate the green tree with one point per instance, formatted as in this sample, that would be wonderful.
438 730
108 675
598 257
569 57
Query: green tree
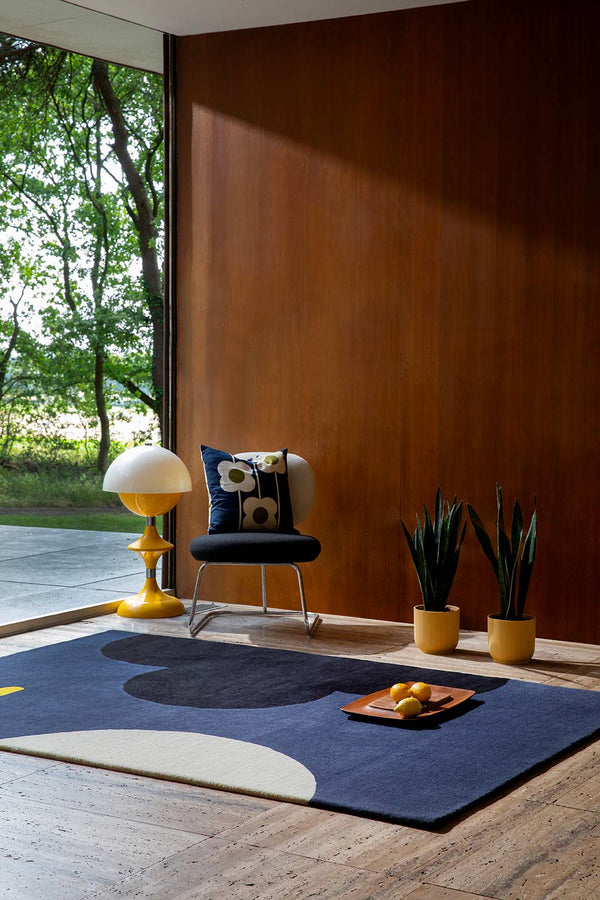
18 278
81 171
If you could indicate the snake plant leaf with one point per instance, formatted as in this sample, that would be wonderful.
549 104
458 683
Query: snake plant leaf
426 518
500 513
516 529
505 553
454 520
411 541
438 514
447 579
414 545
516 536
482 537
502 542
422 570
434 551
430 549
527 560
449 571
444 538
432 594
507 566
504 557
512 585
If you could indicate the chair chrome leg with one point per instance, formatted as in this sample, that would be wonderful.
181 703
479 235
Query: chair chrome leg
309 626
196 590
206 613
311 620
263 575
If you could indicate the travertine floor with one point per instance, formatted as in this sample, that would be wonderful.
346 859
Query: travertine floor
70 832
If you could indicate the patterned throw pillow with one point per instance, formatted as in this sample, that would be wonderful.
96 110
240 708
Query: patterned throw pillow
247 494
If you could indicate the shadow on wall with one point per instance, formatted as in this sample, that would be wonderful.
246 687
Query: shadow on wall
465 63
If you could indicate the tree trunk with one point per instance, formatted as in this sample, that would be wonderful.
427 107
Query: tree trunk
102 461
8 351
145 225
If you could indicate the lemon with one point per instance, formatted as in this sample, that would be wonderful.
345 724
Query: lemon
408 708
399 691
421 691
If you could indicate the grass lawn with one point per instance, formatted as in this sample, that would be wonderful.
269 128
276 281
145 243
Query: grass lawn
111 520
62 492
48 488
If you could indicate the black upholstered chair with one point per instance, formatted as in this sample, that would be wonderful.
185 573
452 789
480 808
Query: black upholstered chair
260 548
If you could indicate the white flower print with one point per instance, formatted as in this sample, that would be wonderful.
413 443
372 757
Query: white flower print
259 514
270 462
236 476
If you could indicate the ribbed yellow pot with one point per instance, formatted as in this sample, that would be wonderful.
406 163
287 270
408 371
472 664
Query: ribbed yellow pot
436 632
511 641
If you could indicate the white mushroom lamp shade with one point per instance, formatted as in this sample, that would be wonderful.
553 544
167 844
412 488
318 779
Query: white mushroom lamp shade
149 481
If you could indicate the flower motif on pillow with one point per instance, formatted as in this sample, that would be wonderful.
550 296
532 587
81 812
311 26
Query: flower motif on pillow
270 462
236 476
260 514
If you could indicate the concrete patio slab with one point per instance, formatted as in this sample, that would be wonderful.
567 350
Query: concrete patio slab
71 567
125 585
17 542
46 571
49 601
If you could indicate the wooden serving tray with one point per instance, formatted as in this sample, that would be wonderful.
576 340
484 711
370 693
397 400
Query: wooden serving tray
381 706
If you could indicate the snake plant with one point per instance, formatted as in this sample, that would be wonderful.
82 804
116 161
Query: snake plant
510 566
435 550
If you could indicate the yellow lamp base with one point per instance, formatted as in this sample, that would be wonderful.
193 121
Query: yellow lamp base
151 603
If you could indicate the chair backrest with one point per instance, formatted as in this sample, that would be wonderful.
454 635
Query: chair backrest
301 479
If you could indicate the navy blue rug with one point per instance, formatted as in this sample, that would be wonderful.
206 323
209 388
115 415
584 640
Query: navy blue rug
268 722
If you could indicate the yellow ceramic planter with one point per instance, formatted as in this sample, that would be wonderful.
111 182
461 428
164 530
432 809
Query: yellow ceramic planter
511 641
436 632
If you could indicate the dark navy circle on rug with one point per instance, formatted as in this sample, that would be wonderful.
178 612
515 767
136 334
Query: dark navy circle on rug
252 678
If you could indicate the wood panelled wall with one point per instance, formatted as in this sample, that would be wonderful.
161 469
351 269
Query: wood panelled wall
388 261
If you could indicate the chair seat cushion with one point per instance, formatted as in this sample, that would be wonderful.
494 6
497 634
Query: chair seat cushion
255 547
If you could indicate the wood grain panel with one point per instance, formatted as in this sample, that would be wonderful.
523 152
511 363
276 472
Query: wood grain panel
388 233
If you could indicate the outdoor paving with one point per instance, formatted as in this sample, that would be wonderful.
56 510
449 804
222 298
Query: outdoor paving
47 570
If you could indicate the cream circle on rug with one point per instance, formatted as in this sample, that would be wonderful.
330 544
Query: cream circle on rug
180 755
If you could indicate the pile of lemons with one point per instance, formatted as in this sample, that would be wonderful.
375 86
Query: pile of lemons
410 698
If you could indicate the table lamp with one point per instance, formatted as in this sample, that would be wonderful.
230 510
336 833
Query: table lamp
149 481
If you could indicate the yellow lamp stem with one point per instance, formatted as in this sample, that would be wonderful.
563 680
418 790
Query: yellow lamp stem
151 602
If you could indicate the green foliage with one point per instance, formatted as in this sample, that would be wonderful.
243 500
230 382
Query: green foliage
19 275
512 562
435 551
97 521
51 488
49 450
65 195
46 470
